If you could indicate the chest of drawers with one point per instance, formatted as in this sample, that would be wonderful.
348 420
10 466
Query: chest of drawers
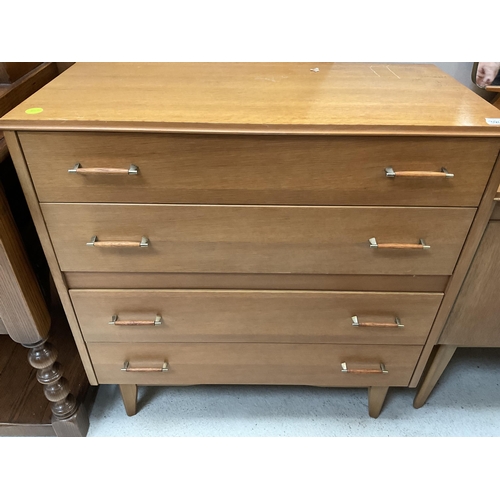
256 223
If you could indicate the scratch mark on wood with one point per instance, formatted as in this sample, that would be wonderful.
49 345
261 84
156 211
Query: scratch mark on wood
393 72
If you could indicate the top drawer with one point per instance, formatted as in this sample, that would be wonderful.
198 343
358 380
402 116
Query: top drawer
253 169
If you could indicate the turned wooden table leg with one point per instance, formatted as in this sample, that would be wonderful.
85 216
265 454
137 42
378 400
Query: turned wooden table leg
438 363
129 396
376 398
68 418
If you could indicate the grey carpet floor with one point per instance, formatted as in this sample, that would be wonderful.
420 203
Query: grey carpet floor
466 402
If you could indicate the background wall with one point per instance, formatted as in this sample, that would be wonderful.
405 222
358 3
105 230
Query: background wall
461 71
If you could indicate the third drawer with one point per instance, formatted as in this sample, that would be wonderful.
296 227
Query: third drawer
255 316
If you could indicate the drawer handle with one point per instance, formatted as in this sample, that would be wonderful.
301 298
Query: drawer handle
77 169
124 322
389 172
128 368
94 243
362 371
418 246
396 324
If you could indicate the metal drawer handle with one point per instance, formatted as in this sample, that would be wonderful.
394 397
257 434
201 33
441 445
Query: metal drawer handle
389 172
396 324
128 368
362 371
418 246
94 243
77 169
124 322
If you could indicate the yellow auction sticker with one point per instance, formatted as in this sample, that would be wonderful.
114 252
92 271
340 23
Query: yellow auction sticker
33 111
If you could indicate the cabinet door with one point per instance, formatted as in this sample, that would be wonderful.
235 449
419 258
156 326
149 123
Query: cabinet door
475 318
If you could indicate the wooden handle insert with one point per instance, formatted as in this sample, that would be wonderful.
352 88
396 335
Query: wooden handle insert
389 172
379 325
364 371
395 324
399 246
123 322
140 322
116 244
77 169
409 173
110 171
145 369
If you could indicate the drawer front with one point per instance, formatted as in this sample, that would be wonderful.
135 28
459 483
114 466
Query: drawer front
235 169
273 364
254 316
235 239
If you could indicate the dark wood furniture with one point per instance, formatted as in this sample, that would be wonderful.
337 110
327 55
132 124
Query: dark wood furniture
28 315
305 224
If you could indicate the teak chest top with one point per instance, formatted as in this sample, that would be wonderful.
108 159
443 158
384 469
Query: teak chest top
269 98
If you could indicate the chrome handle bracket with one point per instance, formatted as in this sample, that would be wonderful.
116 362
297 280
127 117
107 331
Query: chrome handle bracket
92 241
389 172
424 245
74 169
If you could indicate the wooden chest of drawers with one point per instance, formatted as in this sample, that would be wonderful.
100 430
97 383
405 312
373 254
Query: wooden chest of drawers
256 223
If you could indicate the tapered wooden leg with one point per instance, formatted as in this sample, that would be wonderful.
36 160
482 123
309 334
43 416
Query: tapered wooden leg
376 398
129 396
436 367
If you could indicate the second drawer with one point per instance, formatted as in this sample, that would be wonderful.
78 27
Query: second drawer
252 239
255 316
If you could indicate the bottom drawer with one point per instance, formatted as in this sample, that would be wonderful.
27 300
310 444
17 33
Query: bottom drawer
252 363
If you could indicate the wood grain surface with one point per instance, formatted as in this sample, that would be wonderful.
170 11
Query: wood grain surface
496 212
475 318
469 249
257 239
22 306
196 168
254 316
333 282
262 97
12 71
271 364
